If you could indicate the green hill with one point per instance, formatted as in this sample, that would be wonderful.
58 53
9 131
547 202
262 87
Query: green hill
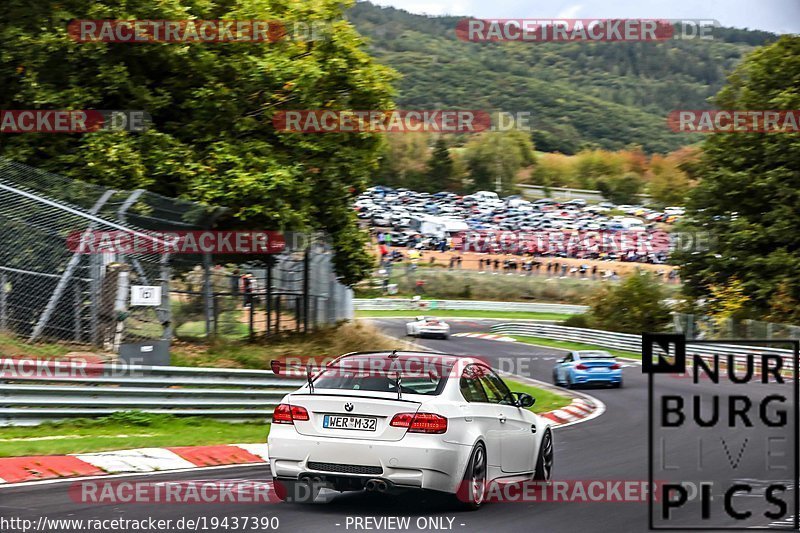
606 95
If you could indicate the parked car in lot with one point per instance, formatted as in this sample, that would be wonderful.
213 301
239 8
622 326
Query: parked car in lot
428 326
584 367
396 421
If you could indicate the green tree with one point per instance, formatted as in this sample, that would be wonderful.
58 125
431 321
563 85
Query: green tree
402 160
633 306
621 189
440 167
212 106
667 183
496 157
749 191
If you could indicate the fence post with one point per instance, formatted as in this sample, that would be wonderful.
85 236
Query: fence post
216 313
270 263
165 313
78 305
3 302
306 286
95 289
120 305
278 314
250 320
208 300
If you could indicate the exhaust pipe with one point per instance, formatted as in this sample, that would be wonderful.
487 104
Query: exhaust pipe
380 486
370 485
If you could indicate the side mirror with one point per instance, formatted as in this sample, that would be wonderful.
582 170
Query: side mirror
525 400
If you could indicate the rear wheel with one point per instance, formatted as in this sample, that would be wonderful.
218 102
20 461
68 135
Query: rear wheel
544 465
618 384
472 491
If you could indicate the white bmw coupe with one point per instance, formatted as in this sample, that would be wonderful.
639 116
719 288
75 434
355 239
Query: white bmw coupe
389 421
428 326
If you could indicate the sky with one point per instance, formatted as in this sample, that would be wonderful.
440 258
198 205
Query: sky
779 16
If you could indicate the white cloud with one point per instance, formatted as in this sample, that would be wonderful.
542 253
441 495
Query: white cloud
570 12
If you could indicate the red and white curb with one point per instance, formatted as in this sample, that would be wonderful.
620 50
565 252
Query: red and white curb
485 336
579 410
142 460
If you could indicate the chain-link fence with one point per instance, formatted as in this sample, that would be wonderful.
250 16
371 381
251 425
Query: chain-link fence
51 290
705 327
292 291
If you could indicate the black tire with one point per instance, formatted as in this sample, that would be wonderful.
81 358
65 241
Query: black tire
473 488
569 384
617 385
555 379
544 464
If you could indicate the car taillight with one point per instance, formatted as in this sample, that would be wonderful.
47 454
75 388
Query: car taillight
287 414
581 367
420 422
616 366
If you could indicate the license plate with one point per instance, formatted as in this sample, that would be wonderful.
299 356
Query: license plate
358 423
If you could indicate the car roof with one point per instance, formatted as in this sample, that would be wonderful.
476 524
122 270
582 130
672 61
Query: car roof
593 353
446 359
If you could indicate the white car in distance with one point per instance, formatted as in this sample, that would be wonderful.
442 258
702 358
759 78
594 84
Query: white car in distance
428 326
395 421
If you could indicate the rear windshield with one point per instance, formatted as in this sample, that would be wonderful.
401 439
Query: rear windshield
596 355
429 384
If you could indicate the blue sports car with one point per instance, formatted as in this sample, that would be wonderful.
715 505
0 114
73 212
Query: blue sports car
588 367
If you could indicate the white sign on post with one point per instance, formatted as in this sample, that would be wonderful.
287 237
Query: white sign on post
146 295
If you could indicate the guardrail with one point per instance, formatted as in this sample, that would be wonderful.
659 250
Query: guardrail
405 304
630 342
38 391
541 191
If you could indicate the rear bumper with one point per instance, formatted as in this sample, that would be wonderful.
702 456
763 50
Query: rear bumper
416 461
597 377
434 333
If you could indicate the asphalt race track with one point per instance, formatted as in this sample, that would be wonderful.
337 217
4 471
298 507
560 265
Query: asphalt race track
612 446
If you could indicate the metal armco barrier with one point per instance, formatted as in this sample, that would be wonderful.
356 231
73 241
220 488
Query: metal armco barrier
404 304
50 391
629 342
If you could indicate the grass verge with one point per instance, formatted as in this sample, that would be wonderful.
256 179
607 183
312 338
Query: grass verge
472 313
567 345
11 346
124 430
320 344
545 399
